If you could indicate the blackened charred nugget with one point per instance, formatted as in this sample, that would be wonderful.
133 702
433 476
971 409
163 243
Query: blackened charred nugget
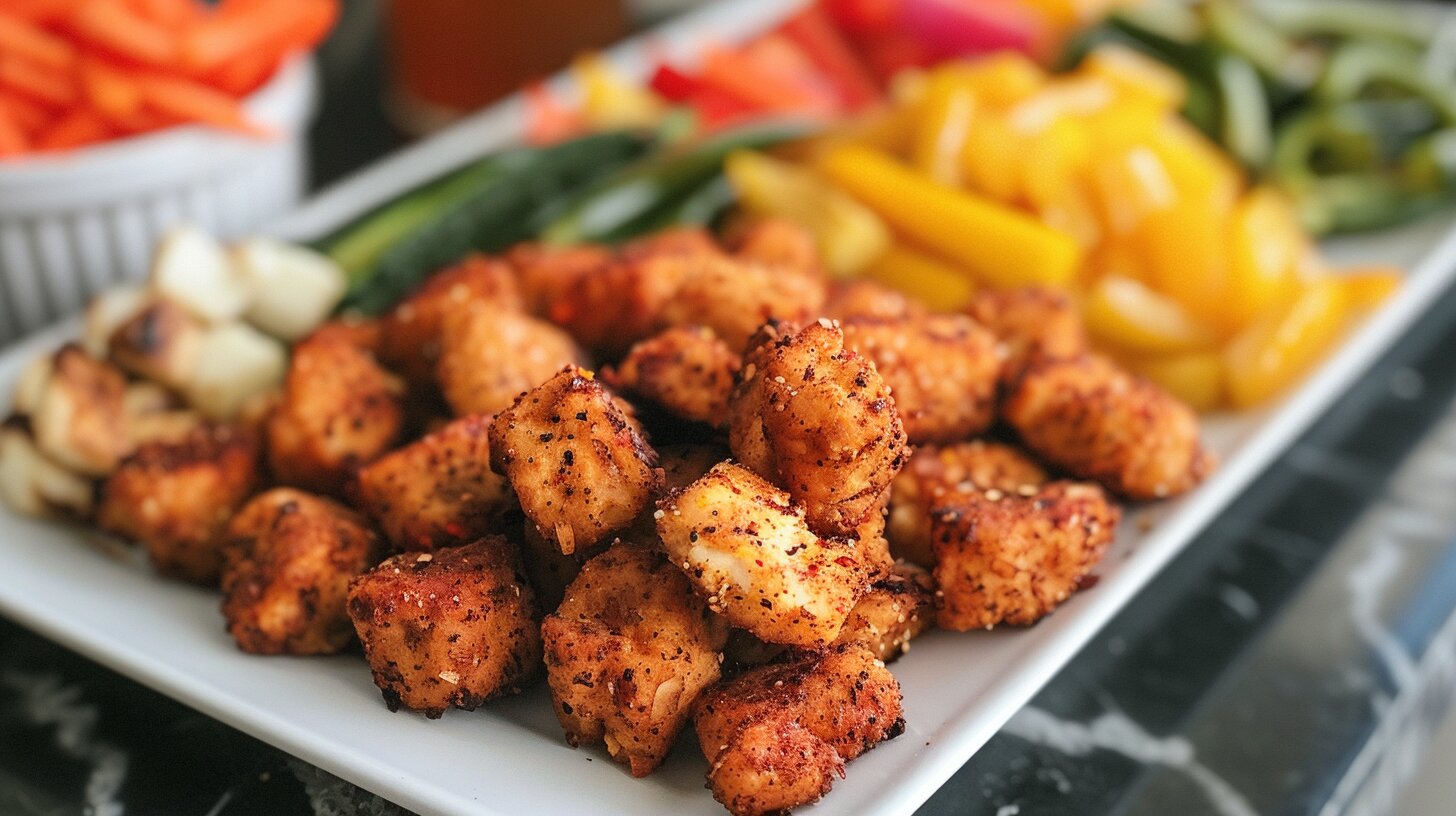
815 417
410 332
627 654
1099 422
1012 559
749 552
1032 322
577 463
439 490
936 475
451 628
339 410
941 369
687 371
896 609
176 498
776 736
489 356
290 558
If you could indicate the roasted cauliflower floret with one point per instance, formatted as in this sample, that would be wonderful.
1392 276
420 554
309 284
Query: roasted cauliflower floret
339 410
734 298
628 653
1099 422
936 475
488 357
410 332
813 416
781 243
578 465
1031 323
1012 559
749 552
775 737
941 369
897 609
865 299
687 371
290 558
162 342
438 491
451 628
176 498
79 416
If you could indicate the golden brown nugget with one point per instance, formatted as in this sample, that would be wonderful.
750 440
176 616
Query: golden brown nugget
176 498
865 299
546 274
290 558
749 552
936 475
451 628
941 369
816 418
627 654
438 491
898 608
687 371
1031 322
779 242
339 410
410 332
734 297
490 356
775 737
1012 559
1100 422
578 465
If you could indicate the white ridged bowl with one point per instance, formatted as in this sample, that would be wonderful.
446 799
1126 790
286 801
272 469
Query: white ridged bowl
77 223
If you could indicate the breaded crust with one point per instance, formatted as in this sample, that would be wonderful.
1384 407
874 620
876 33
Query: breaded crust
1032 323
490 356
410 332
687 371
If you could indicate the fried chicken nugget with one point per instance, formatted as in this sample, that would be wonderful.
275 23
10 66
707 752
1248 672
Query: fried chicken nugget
734 297
627 654
898 608
866 299
1031 322
1100 422
686 370
942 370
936 475
775 737
749 552
488 357
451 628
289 561
176 498
410 332
339 410
546 274
577 463
438 491
779 242
816 417
1012 559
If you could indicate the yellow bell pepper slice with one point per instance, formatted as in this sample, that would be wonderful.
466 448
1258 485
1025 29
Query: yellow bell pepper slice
932 281
1277 349
1184 250
1000 245
1195 165
1196 378
1267 245
942 123
991 157
999 80
1129 187
848 234
1368 287
610 101
1124 313
1137 75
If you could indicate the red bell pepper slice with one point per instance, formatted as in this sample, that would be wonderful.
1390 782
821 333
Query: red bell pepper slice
816 35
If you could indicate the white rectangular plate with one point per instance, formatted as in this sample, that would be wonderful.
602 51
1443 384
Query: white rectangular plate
100 600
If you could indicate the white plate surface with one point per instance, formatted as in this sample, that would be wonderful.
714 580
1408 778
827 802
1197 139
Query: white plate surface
100 600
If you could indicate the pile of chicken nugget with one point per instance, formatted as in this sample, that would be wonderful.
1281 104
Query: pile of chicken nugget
690 485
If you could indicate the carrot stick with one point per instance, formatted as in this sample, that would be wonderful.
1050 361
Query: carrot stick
36 82
173 14
190 100
29 115
82 126
28 41
109 90
114 27
41 12
12 138
274 26
243 76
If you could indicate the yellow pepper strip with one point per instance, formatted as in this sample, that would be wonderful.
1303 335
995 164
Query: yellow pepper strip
1193 377
1000 245
610 101
1130 186
942 123
1000 80
932 281
1369 286
1124 313
991 157
849 235
1272 353
1185 251
1195 165
1137 75
1268 244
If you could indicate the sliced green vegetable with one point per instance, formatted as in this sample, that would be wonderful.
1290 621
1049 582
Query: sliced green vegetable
1357 68
1344 19
1244 127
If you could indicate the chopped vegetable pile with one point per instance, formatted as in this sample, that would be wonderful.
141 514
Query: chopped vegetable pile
78 72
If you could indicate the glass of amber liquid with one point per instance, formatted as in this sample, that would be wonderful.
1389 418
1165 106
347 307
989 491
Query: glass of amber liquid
450 57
